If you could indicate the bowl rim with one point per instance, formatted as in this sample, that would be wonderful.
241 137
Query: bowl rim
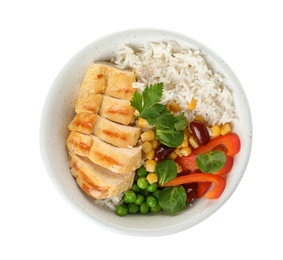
45 153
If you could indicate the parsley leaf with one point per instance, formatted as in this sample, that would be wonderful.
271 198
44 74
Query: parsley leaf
165 120
152 95
169 129
136 101
154 111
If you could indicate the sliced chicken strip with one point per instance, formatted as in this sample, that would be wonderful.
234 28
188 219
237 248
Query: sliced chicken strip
84 122
79 143
117 110
88 102
97 181
94 80
104 78
119 83
108 131
116 134
119 160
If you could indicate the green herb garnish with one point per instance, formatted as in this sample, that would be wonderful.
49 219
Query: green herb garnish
172 199
166 171
169 128
211 162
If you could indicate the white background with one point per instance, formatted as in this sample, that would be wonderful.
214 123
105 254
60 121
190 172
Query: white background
37 40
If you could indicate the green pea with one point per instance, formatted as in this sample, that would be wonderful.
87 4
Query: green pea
144 192
122 210
141 172
155 209
133 208
152 187
144 208
140 199
151 201
136 188
142 183
130 196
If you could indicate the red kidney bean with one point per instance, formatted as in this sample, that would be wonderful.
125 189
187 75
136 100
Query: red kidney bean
191 190
200 132
162 152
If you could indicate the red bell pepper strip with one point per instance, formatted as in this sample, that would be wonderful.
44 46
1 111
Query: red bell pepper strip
202 188
232 146
227 166
230 141
214 193
188 162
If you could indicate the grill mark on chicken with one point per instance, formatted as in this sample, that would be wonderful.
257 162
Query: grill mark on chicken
115 134
123 90
85 147
116 110
99 76
88 125
87 184
107 159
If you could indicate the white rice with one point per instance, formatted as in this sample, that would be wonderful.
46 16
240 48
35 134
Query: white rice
111 203
185 75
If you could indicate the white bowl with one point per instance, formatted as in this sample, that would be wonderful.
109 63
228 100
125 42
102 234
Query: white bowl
59 110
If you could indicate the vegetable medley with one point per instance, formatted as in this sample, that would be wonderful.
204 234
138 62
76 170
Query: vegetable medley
182 162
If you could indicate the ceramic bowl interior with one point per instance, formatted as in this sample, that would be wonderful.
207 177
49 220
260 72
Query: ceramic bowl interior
58 111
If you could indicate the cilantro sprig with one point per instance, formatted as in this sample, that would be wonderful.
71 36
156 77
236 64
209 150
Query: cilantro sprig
168 128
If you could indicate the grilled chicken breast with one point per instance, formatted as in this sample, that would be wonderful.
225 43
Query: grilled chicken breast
117 110
88 102
105 78
98 181
116 134
79 143
108 131
94 80
119 160
83 122
101 143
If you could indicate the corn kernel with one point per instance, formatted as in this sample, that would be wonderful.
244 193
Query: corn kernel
193 142
154 144
199 118
187 132
225 129
142 123
185 142
149 155
215 131
152 178
174 107
178 151
179 168
192 105
172 156
185 151
150 165
148 136
147 147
